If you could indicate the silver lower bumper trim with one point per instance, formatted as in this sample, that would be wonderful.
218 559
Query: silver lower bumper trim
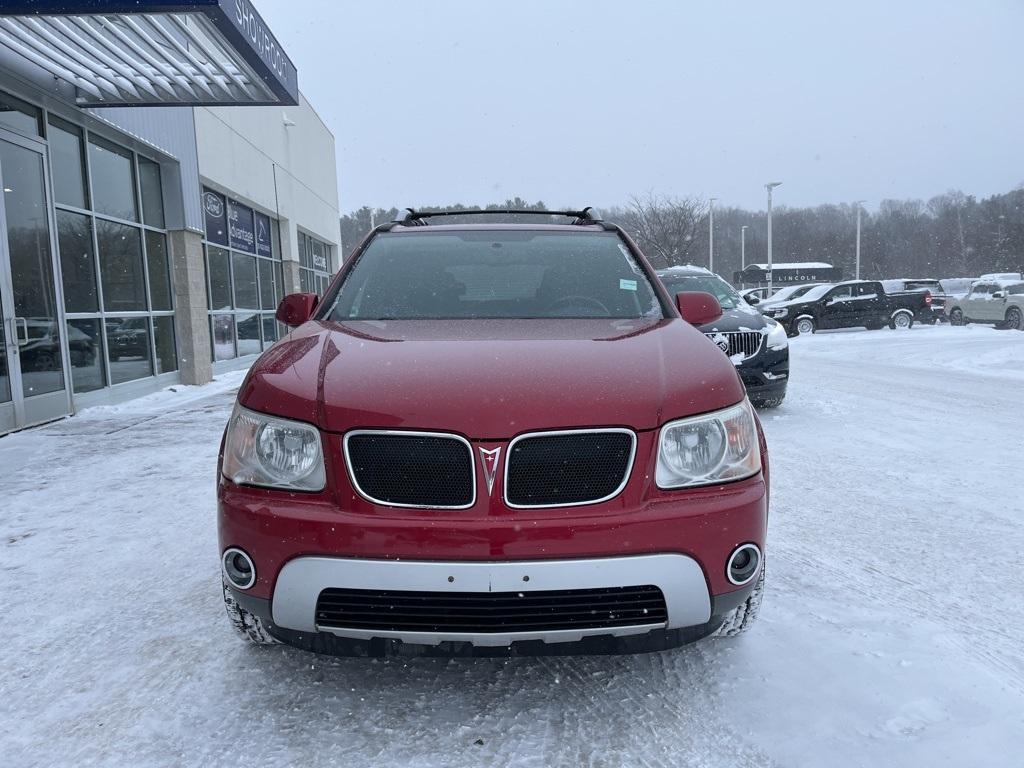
679 577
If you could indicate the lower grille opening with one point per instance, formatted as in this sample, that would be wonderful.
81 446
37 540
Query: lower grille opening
482 612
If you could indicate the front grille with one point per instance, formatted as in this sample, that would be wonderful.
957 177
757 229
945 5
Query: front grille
411 469
746 343
565 468
481 612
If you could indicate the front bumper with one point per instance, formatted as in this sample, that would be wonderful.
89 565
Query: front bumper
765 375
679 578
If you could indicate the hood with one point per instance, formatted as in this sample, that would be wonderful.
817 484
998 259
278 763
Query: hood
742 318
491 379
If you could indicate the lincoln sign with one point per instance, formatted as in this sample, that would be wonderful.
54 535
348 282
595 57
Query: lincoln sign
788 274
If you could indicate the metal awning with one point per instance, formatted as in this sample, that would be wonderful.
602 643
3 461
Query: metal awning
212 52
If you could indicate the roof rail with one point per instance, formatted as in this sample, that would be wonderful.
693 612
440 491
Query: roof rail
413 218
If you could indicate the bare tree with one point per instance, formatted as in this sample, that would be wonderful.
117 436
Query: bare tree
665 227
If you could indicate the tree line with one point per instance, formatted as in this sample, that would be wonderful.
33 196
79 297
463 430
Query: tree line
950 235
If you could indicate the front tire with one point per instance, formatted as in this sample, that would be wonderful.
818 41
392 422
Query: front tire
956 317
248 625
740 618
768 402
804 326
901 321
1015 319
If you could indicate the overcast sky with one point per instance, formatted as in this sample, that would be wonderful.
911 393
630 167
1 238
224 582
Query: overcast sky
578 103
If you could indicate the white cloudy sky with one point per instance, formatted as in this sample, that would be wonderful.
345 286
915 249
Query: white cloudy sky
576 103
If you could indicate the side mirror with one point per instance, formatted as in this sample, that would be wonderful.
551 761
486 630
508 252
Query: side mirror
752 299
296 308
698 307
999 295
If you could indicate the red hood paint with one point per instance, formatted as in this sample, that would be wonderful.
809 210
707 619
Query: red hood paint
491 379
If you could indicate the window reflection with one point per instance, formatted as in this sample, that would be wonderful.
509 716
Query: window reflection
223 336
66 163
159 275
124 284
166 357
249 334
86 354
128 348
113 183
77 262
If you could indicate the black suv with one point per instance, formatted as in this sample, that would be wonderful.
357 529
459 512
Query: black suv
757 345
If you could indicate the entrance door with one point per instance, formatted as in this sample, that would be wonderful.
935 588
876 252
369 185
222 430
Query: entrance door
33 383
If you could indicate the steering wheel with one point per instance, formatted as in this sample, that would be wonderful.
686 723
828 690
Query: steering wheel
580 301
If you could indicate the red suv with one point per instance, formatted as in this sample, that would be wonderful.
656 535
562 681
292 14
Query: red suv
498 436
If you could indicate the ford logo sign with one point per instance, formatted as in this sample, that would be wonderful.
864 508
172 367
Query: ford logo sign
213 204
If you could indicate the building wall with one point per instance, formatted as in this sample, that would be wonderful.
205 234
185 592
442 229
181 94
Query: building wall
253 154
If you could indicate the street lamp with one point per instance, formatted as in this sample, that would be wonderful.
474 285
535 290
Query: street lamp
770 186
743 247
711 234
856 272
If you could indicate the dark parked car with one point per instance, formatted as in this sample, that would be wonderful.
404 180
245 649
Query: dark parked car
756 345
850 304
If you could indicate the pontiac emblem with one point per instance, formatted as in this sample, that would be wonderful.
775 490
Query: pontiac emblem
490 459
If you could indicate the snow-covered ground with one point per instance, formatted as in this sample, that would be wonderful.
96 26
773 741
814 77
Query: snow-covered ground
892 632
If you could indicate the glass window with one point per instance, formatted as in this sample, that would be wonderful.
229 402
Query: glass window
113 182
128 348
267 292
66 162
19 115
86 351
152 195
77 262
166 357
159 276
219 269
223 336
249 334
306 281
244 273
121 275
269 330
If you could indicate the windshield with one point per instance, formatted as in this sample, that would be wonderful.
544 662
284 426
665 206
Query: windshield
713 284
496 274
816 292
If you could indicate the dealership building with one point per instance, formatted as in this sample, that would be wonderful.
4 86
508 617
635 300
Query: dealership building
165 183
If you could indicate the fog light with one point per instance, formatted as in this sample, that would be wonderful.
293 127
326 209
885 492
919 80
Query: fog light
238 568
743 564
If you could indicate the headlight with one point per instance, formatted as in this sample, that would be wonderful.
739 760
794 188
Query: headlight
780 312
273 452
777 338
713 448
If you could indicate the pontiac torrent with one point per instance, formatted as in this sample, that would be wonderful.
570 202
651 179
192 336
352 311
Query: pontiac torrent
493 438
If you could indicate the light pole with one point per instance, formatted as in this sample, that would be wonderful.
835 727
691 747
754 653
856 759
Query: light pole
743 247
770 186
711 234
856 272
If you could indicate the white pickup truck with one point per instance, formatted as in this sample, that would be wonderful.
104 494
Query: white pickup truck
996 301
